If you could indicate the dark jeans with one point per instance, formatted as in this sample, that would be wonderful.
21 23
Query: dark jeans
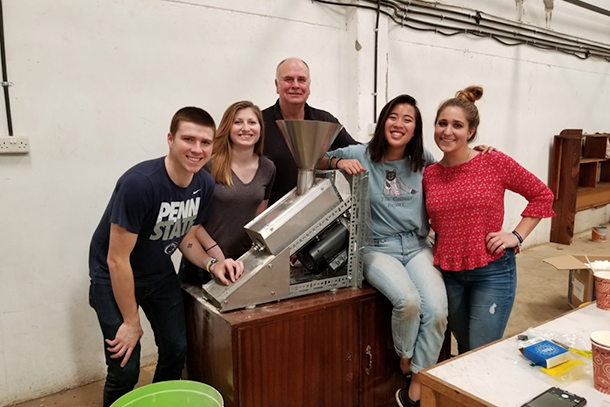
480 301
164 309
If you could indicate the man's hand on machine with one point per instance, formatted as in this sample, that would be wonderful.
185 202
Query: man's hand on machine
227 268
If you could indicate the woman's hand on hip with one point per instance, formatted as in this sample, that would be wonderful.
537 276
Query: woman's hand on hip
497 242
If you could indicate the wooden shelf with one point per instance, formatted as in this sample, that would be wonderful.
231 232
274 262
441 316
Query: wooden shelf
590 198
579 178
592 160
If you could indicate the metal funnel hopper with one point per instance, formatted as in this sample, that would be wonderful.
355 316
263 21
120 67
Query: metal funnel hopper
308 140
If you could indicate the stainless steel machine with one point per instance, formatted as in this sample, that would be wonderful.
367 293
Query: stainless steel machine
311 240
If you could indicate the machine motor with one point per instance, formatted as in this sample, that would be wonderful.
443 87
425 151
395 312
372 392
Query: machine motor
327 251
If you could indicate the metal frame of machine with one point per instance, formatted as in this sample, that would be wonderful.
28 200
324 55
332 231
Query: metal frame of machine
310 240
287 227
357 211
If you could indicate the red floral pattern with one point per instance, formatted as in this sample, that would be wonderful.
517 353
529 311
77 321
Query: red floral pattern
466 202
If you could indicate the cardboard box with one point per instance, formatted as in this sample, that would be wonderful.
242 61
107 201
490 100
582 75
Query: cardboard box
581 284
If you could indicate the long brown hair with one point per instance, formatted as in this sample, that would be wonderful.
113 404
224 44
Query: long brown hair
378 146
220 163
465 99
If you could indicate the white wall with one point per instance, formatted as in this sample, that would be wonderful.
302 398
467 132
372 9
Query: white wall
97 81
96 84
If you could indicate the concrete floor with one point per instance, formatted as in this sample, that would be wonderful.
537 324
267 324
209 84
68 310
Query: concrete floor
541 295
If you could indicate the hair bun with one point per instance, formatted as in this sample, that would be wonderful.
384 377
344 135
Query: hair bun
471 93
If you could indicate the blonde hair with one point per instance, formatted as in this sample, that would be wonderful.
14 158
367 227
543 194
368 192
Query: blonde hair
465 99
220 162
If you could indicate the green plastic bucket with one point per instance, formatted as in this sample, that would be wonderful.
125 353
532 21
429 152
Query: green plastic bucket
173 393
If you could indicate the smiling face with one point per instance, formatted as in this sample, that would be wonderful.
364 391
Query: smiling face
292 82
246 129
189 150
451 130
398 130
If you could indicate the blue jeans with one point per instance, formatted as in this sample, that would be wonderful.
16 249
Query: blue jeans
162 303
480 301
400 267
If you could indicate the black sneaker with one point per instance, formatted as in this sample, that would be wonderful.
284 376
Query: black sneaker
403 400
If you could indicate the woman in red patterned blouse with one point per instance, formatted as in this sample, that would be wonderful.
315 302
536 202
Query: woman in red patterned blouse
465 203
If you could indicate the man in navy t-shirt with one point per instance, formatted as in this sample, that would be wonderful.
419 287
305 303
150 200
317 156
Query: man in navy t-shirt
156 208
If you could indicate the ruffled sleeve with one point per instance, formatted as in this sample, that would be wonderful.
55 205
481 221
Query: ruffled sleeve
519 180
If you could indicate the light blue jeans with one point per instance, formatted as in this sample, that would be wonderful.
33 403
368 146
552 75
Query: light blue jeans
480 301
400 267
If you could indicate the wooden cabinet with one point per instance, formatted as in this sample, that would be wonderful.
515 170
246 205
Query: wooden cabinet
327 349
580 179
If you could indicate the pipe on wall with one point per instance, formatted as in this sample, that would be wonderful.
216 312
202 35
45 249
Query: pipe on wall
451 20
5 82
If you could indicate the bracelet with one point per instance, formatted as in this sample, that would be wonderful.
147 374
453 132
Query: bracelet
209 263
519 238
330 162
211 247
337 163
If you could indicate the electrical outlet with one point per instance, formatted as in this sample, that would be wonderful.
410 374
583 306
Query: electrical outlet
14 145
